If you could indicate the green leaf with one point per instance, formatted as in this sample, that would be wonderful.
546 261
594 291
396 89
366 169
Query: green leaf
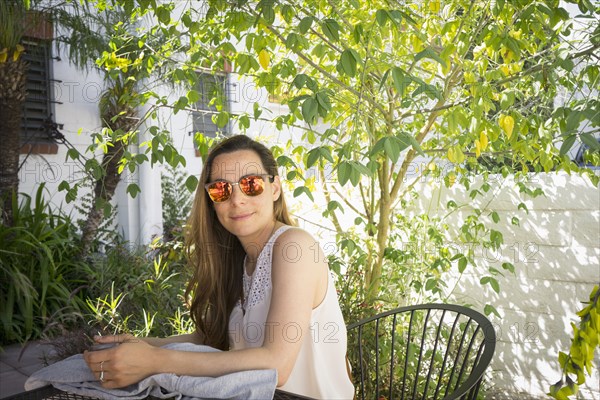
509 267
489 309
567 144
133 189
345 172
381 16
392 149
507 99
222 119
267 11
303 189
257 110
193 96
64 185
348 63
285 161
331 29
430 91
496 238
401 80
316 154
462 264
492 282
305 24
180 104
430 53
408 138
430 284
163 14
312 157
191 183
323 102
310 109
523 207
590 141
333 205
300 80
513 45
495 217
291 175
244 122
73 154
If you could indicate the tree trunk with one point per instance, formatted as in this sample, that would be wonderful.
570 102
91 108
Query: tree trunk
103 192
12 96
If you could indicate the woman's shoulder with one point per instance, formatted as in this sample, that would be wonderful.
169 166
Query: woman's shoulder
295 235
295 244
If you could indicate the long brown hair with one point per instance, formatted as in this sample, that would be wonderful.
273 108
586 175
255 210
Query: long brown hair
215 255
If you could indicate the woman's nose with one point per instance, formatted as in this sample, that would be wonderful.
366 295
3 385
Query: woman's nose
236 194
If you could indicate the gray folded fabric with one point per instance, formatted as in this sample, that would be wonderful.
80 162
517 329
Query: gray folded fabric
73 375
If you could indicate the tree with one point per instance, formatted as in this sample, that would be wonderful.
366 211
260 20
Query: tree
383 87
107 38
12 96
92 32
378 84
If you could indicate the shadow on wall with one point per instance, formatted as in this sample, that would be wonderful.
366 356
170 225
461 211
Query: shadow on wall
556 253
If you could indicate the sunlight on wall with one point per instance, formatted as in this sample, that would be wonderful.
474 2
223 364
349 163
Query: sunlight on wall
556 254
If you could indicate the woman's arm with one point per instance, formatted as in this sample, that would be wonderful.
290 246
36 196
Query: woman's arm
299 278
195 338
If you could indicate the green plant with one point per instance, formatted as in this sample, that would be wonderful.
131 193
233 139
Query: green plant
106 233
138 292
176 202
585 342
40 273
390 94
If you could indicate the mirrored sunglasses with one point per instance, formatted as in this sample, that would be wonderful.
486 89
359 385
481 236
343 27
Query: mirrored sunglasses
251 185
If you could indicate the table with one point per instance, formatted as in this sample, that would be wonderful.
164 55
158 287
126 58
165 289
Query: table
51 393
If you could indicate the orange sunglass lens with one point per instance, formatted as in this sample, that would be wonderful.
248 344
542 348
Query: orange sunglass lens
252 185
219 191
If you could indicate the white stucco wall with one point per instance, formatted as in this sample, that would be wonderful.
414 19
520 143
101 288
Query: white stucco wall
556 254
76 95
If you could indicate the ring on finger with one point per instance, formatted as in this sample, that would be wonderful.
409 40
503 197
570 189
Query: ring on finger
102 371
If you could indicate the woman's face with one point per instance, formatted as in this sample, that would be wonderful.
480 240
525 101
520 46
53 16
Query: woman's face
242 215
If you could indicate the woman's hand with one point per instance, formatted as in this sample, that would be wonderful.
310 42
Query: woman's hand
127 363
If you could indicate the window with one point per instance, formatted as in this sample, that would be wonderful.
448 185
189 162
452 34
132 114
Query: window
38 131
209 87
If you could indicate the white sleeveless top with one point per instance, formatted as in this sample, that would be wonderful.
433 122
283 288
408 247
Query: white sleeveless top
320 369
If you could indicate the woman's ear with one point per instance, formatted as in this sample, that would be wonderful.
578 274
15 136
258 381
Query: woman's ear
276 187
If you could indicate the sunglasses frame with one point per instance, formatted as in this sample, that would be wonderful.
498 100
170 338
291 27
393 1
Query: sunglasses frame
271 179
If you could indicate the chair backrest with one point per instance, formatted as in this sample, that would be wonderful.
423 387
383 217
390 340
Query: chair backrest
430 351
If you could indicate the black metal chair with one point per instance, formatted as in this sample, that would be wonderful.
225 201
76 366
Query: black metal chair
430 351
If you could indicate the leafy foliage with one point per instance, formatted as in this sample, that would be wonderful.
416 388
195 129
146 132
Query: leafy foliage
389 95
585 342
414 354
106 233
138 293
39 270
176 202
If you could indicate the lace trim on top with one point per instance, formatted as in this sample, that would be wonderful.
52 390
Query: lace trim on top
257 284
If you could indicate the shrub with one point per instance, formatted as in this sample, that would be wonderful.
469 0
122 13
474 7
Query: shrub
40 273
139 292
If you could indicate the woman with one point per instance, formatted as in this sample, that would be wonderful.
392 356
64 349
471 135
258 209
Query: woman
260 289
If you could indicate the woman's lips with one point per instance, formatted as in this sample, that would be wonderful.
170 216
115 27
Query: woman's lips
241 217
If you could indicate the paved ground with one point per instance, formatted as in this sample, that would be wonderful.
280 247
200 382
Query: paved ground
17 363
